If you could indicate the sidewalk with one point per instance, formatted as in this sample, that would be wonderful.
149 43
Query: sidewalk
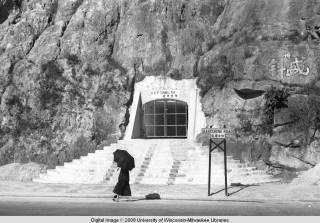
263 192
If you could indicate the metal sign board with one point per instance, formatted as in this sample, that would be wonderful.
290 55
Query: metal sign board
217 131
217 135
165 93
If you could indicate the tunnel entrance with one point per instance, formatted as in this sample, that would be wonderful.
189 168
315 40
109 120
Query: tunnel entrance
165 108
165 118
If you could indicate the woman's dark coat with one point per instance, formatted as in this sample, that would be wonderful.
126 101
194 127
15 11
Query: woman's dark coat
122 188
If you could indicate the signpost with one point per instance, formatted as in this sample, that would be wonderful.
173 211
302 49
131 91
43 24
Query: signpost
218 141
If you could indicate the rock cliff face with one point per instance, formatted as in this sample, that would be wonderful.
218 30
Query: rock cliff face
68 67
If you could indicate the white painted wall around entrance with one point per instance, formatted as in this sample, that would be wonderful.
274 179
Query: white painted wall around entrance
155 87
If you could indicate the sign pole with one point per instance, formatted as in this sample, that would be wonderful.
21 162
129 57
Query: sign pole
225 169
222 145
209 172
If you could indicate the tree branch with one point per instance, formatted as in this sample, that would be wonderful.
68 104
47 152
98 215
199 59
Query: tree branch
306 162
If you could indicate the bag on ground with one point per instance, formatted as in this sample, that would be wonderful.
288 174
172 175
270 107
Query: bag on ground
153 196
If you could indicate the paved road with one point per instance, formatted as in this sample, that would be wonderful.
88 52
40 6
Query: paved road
105 207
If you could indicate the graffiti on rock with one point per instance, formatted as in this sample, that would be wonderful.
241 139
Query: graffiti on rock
289 66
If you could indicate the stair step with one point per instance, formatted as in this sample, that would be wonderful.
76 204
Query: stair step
157 162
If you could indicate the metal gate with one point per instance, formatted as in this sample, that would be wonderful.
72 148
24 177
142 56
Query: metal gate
165 118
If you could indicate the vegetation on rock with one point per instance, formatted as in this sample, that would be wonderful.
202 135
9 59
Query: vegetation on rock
274 99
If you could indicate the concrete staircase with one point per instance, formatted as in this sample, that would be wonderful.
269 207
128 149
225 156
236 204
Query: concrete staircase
159 166
90 169
237 172
157 161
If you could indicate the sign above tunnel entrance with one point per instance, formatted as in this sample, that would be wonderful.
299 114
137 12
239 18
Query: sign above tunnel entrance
165 93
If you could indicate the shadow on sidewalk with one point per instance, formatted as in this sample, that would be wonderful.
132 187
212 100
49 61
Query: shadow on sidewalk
242 187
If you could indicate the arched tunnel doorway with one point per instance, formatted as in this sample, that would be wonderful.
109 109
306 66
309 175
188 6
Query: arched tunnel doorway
165 118
165 108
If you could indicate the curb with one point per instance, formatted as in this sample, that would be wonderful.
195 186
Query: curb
142 197
56 195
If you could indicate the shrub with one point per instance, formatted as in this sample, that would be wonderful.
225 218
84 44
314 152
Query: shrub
64 156
217 74
51 160
295 36
274 99
104 125
7 153
307 114
14 110
73 60
24 119
51 85
175 74
36 119
91 72
20 154
248 52
246 124
82 146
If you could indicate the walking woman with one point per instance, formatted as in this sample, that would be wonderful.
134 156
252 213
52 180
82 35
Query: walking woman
122 187
126 163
